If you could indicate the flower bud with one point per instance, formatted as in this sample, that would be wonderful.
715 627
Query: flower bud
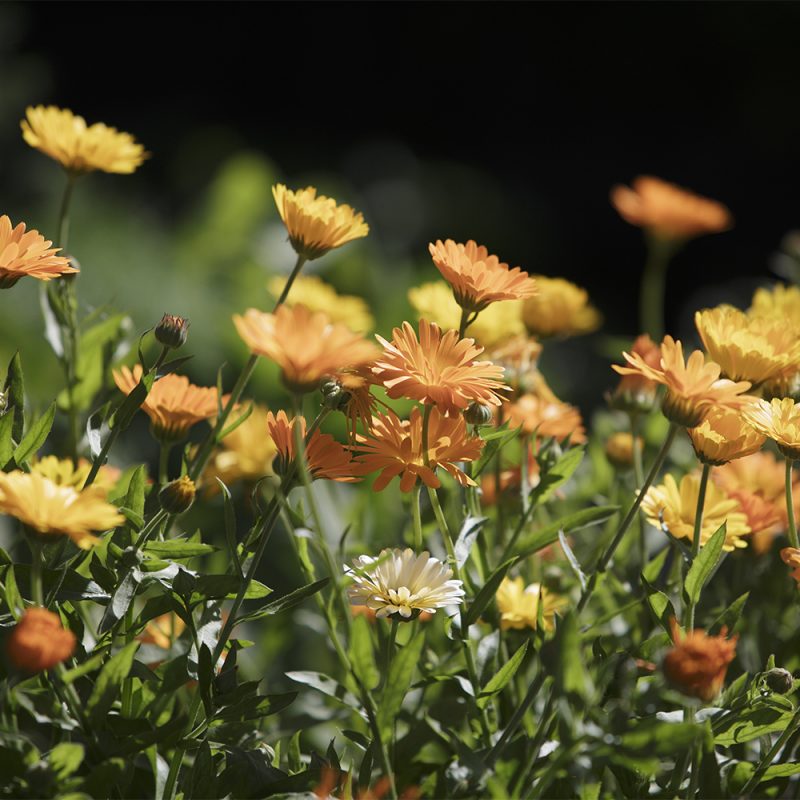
172 331
478 414
779 680
177 496
619 450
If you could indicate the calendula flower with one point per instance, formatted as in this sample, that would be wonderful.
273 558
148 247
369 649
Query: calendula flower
780 302
542 416
316 295
693 388
65 472
697 663
325 457
79 147
778 420
306 345
674 508
400 582
394 447
163 630
173 403
519 604
619 449
59 510
724 435
755 349
510 480
519 357
791 557
559 308
39 641
348 391
496 323
28 253
635 392
315 223
437 369
667 211
477 278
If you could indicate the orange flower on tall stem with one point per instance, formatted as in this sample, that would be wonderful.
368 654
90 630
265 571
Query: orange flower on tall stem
39 641
28 253
437 369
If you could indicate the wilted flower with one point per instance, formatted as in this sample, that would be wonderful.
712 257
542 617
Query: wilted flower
400 582
723 436
39 641
519 604
28 253
619 449
778 420
559 308
635 392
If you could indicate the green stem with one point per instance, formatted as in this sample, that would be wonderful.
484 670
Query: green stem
765 762
524 476
288 285
696 537
638 476
654 279
547 719
462 326
63 214
36 571
163 463
792 529
416 516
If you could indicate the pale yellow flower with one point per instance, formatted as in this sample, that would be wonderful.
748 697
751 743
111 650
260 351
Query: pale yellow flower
519 604
780 302
724 435
560 308
65 472
778 420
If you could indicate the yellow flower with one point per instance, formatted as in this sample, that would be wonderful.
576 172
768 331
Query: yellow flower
619 449
52 509
64 472
28 253
559 309
435 302
316 224
519 604
477 278
723 436
778 420
316 295
780 302
77 146
668 211
674 508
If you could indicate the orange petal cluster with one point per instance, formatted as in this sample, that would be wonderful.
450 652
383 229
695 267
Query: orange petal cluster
28 253
39 641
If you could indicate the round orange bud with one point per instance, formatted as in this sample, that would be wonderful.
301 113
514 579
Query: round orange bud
39 642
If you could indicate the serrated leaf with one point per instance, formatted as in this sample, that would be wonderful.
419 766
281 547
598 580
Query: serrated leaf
35 436
502 677
109 683
486 593
362 654
704 565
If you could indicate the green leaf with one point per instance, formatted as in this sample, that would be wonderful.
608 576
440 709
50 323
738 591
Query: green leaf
660 605
467 537
11 593
130 405
557 475
293 761
704 565
285 601
90 665
502 677
65 758
743 771
531 543
36 436
210 587
230 528
571 677
398 682
486 593
327 685
654 567
656 738
752 724
730 616
266 705
109 683
178 548
6 439
710 781
494 442
14 389
134 497
573 561
362 653
120 601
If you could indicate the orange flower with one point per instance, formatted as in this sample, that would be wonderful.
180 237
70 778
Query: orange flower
28 253
438 369
325 457
39 641
545 417
636 392
348 391
791 557
173 403
692 388
697 664
668 211
395 448
478 279
306 346
724 436
780 421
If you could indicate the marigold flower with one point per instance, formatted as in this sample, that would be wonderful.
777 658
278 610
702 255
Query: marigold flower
400 582
519 604
325 457
545 417
559 308
780 302
674 508
315 223
697 663
51 509
778 420
64 472
39 641
349 392
477 278
173 403
667 211
619 449
394 447
28 253
316 295
791 557
692 388
79 147
437 369
306 345
724 435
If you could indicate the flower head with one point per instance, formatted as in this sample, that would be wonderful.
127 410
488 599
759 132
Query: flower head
173 403
315 223
39 641
723 436
668 211
79 147
172 331
635 391
477 278
780 302
52 509
519 357
778 420
791 557
559 308
697 663
400 582
65 472
306 345
394 447
437 369
674 507
545 416
28 253
619 449
519 604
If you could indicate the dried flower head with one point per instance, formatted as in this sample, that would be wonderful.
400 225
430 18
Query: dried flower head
519 604
39 641
778 420
28 253
723 436
559 308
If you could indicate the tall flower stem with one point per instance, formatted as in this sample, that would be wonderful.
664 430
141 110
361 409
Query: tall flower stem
792 527
63 212
37 594
290 280
163 463
638 476
416 516
654 279
696 536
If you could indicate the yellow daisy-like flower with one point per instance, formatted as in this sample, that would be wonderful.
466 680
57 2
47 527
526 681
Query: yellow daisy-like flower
28 253
316 295
780 302
673 507
306 345
560 308
724 435
49 508
667 211
79 147
477 278
519 604
693 387
315 223
778 420
65 472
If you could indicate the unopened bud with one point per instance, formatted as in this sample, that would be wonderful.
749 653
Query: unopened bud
478 414
172 331
177 496
779 680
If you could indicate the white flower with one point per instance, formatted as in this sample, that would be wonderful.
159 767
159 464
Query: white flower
398 581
